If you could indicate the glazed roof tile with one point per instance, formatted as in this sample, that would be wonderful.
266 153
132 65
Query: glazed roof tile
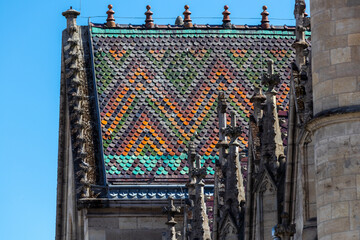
157 90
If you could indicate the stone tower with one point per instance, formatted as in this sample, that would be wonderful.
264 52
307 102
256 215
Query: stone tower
336 122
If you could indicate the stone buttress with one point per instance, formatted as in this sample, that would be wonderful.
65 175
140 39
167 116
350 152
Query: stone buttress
266 163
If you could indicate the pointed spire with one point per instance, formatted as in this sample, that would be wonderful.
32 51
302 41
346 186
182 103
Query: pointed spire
199 222
226 18
110 21
265 20
258 100
232 196
221 109
187 19
300 44
149 22
171 210
271 142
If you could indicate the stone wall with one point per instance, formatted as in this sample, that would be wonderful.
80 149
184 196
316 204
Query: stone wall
336 127
116 224
336 53
337 153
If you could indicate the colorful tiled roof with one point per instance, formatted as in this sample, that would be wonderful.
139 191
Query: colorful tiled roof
157 90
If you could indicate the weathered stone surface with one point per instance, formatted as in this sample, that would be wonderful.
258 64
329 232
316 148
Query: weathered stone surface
343 85
354 39
350 235
97 234
340 55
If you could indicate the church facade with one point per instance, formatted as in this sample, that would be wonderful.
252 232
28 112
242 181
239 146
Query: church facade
227 131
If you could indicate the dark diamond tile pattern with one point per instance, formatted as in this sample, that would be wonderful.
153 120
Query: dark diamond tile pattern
158 89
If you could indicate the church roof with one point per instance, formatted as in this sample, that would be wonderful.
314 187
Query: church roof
157 90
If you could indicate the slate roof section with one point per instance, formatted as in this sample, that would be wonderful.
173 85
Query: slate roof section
157 90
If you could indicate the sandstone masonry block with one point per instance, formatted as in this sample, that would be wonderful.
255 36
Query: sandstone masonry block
351 235
128 223
322 59
331 196
347 26
336 42
348 194
328 237
340 55
353 128
330 102
354 39
348 99
324 185
323 16
324 213
352 3
347 69
345 181
336 225
340 209
358 186
346 13
327 73
343 85
315 78
355 54
355 215
103 223
323 89
97 234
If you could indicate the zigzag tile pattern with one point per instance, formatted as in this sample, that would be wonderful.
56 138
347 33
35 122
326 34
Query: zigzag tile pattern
157 90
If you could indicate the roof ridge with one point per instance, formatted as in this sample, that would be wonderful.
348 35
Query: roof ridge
195 26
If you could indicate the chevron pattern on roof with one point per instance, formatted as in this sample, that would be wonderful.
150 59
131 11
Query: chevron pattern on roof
157 90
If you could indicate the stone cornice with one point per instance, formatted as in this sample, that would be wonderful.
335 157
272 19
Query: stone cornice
334 116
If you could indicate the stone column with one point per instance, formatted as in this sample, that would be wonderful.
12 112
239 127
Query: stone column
336 124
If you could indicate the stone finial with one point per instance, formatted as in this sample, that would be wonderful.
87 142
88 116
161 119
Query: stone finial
258 99
192 150
270 78
110 21
265 20
222 103
299 8
258 96
226 19
179 21
71 16
187 19
149 22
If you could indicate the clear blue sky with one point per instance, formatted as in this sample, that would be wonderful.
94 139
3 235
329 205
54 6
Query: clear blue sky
30 48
